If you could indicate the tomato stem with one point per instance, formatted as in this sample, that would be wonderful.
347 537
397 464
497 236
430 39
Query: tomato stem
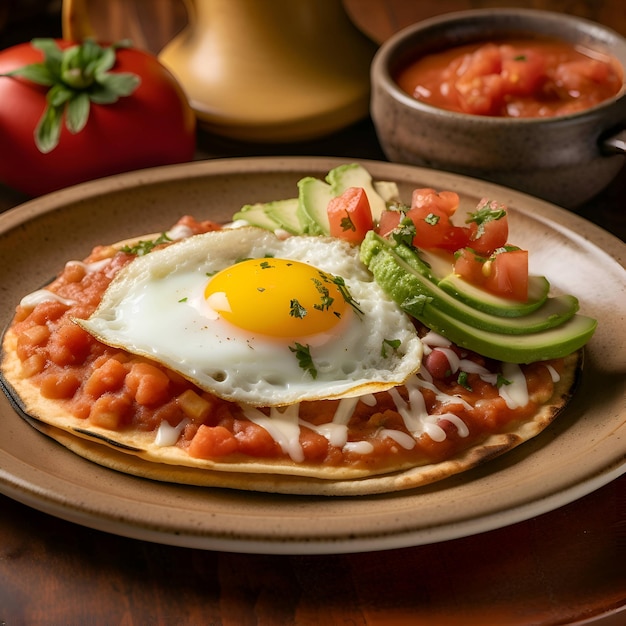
77 77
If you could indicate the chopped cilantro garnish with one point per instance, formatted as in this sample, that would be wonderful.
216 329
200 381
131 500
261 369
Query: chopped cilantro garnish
345 293
296 309
394 344
144 247
462 380
183 299
488 211
326 300
264 265
431 219
303 354
347 224
404 232
501 380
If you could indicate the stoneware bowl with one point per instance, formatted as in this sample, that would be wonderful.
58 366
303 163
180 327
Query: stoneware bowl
566 159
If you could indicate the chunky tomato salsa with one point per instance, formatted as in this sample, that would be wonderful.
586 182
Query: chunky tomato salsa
513 78
457 400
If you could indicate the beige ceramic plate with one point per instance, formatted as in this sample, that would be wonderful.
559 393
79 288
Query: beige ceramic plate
583 450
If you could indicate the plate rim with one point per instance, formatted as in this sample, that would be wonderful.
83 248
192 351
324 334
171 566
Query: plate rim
31 494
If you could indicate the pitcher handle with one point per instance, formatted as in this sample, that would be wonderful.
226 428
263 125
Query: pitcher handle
615 143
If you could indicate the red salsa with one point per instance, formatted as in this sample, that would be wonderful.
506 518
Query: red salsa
513 78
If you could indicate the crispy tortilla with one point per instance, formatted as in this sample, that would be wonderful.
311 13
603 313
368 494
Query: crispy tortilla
135 452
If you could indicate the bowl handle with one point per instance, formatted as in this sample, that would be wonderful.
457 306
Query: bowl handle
614 143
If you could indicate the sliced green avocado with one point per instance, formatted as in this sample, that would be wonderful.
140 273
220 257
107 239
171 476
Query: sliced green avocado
395 272
549 332
313 198
552 343
538 288
256 215
285 213
355 175
441 266
315 194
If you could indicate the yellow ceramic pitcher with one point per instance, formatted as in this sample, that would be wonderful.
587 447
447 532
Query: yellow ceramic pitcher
263 70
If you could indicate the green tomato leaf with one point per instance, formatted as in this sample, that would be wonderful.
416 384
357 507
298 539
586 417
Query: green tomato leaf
76 77
77 113
48 129
104 62
100 94
58 95
49 48
53 55
38 73
121 83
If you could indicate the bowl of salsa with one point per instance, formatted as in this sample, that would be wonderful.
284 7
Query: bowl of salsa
530 99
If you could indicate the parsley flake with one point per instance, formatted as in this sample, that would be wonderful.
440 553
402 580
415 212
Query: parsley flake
347 224
296 309
345 293
462 380
326 300
431 219
394 344
487 211
501 380
404 232
305 361
144 247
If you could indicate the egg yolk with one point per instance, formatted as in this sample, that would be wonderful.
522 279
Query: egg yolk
278 297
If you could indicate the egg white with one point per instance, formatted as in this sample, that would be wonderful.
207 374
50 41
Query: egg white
155 307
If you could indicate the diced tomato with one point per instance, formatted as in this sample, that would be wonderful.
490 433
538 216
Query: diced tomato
508 275
388 221
469 266
350 215
523 72
434 230
147 383
212 441
443 202
430 212
488 228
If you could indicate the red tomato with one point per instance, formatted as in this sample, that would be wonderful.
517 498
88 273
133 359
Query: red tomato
153 126
523 72
430 212
388 221
434 230
442 202
489 228
508 275
350 215
469 266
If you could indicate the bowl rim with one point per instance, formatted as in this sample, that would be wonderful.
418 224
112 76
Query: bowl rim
397 45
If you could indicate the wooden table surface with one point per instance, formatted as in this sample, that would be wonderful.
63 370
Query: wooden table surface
567 566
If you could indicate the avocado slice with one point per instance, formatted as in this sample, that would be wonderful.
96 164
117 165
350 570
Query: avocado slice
549 332
355 175
538 288
395 272
313 198
285 213
256 215
552 343
441 265
315 194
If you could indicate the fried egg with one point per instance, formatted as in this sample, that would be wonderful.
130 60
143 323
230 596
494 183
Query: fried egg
259 320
